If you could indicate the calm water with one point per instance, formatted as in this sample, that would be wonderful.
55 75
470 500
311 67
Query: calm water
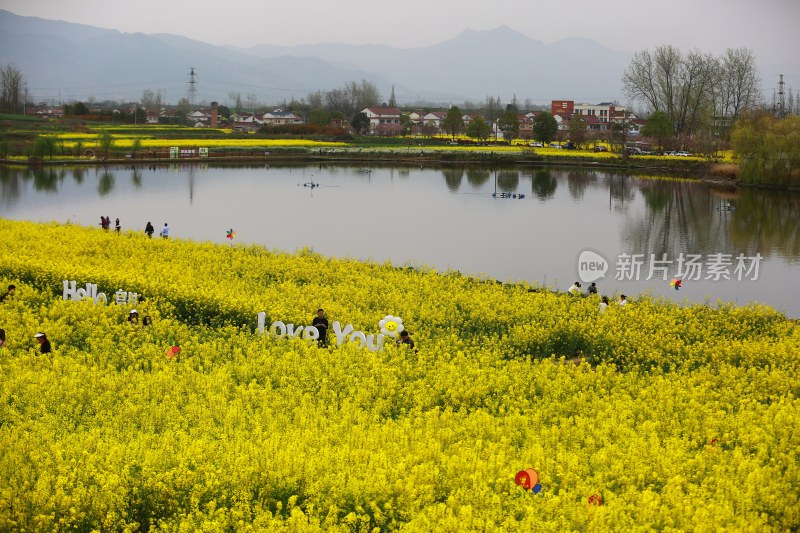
448 219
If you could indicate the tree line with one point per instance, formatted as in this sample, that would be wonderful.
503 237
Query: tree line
697 95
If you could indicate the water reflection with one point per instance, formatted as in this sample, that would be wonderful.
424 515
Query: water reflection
565 209
477 177
106 183
544 184
453 177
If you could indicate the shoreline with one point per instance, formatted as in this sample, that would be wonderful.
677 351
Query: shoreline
713 173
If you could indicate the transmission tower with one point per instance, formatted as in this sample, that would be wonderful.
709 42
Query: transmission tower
192 86
781 111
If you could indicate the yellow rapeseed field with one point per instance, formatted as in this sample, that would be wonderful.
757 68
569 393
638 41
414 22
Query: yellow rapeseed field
648 417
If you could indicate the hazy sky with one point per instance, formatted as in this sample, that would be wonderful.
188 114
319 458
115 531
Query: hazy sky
768 27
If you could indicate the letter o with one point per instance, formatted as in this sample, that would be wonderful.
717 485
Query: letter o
278 326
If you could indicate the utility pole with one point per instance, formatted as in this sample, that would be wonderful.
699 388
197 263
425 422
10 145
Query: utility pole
192 87
781 111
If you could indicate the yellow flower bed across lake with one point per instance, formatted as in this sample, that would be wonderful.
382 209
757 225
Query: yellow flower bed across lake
681 418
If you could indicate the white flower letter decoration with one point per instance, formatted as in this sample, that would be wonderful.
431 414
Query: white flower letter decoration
391 326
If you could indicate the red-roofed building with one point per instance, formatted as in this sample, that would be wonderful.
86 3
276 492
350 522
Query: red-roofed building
383 119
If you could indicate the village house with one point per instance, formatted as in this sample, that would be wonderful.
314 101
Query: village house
279 116
245 122
383 119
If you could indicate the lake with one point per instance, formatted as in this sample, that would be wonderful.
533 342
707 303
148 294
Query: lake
548 226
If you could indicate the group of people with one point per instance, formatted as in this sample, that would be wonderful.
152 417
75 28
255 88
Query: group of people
575 290
105 223
149 230
41 337
133 318
321 323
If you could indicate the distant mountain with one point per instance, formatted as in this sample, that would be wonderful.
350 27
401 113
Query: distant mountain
64 61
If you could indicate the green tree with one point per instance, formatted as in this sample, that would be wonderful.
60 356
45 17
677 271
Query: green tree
320 117
136 146
578 130
44 146
658 127
545 127
508 123
479 129
392 99
105 143
405 124
360 123
453 123
768 149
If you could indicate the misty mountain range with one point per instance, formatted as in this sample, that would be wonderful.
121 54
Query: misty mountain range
65 62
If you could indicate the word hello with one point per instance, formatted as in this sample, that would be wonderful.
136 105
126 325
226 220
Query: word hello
77 294
348 334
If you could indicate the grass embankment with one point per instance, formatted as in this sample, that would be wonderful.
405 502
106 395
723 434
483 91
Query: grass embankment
684 418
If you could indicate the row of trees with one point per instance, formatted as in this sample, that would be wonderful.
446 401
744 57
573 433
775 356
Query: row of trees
696 91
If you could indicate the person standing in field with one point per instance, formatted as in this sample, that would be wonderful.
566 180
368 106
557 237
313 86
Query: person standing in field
604 305
9 292
44 344
165 231
406 340
592 288
575 290
117 226
321 323
149 229
623 300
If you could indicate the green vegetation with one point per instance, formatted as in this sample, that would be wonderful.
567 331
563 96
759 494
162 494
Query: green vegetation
769 150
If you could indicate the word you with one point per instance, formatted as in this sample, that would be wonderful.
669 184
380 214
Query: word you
76 294
390 326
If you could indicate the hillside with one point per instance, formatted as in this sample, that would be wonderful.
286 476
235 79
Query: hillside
681 418
64 62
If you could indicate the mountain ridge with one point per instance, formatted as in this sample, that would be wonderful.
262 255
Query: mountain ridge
67 61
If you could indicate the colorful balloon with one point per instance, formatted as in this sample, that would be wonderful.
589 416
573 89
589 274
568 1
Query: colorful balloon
528 479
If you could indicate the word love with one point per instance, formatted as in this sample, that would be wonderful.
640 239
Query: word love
390 327
76 294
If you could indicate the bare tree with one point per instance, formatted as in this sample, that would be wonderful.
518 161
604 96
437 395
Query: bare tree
739 85
13 90
680 86
151 99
